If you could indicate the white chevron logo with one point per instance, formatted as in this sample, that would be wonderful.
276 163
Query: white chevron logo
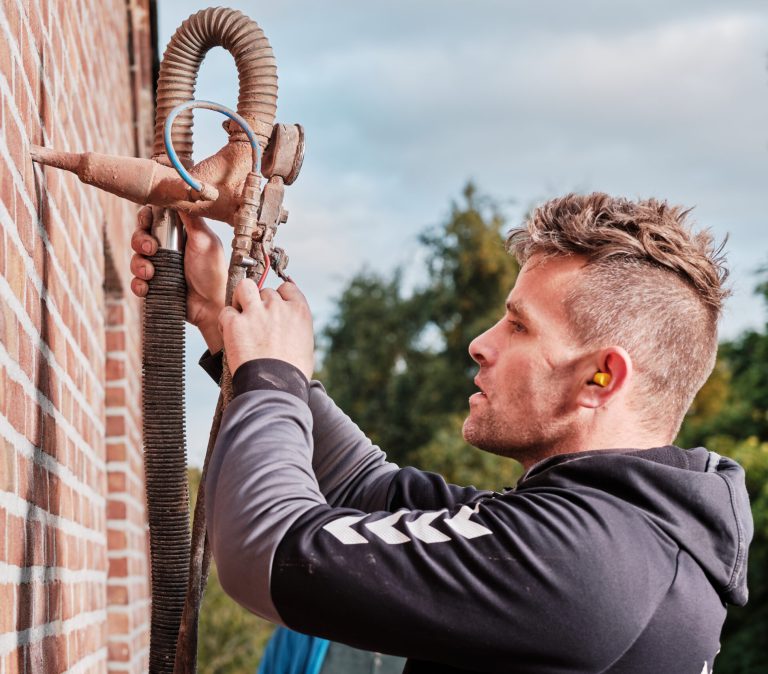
340 528
385 530
421 528
461 525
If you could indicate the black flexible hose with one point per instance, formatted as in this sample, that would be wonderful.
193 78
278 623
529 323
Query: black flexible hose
165 459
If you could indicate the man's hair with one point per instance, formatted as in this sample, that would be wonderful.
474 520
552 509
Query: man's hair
650 285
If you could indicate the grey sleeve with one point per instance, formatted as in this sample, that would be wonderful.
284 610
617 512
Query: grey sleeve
259 483
352 472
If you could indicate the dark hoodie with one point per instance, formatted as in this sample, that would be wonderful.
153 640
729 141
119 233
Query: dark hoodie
608 561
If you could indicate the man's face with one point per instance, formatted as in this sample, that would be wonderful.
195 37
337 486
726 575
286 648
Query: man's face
530 367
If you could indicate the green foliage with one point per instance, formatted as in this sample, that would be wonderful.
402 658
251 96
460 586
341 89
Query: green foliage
230 639
399 366
730 416
372 345
745 628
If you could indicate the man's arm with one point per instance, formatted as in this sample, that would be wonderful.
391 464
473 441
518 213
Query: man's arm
500 581
350 470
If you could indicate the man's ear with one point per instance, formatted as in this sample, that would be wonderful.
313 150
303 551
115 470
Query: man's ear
613 367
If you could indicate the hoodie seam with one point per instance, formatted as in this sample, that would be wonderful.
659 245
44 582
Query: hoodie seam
740 547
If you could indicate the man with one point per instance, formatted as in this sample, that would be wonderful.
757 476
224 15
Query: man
616 552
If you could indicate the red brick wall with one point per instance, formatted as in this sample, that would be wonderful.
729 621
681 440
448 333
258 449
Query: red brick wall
74 75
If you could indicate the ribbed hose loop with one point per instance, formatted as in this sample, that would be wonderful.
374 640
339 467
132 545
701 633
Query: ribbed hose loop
165 456
256 68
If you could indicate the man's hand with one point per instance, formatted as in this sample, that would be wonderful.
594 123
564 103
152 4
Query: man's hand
268 324
205 268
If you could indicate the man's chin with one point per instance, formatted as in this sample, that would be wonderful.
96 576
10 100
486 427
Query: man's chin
475 433
484 436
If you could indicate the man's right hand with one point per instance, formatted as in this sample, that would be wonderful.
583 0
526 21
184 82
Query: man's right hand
205 269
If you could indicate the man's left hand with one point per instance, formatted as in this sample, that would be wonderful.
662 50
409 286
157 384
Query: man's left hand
268 324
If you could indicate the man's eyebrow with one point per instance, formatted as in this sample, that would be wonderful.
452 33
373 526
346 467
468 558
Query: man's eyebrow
517 309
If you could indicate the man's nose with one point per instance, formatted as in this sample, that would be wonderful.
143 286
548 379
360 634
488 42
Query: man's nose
481 349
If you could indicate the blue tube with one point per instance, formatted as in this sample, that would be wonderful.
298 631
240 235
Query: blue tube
217 107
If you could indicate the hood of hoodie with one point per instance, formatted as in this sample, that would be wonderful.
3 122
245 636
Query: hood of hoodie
696 497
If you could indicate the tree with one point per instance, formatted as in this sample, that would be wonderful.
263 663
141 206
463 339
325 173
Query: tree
730 416
399 364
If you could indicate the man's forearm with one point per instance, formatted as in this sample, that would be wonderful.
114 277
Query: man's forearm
351 471
212 336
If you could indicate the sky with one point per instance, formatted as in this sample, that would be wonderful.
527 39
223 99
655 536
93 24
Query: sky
404 102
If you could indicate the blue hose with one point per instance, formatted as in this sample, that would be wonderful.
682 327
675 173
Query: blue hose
217 107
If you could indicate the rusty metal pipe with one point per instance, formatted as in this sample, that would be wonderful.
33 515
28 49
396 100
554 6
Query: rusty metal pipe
257 72
142 181
145 181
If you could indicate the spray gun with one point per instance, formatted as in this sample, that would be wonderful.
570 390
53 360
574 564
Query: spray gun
226 187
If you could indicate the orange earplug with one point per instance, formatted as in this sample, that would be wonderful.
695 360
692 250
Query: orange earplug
602 378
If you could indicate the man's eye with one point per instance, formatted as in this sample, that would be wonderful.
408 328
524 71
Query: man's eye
517 326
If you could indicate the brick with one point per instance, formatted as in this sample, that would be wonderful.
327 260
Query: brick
115 340
55 600
13 136
25 225
118 568
34 657
16 537
8 481
13 662
7 607
116 451
26 355
115 396
61 545
3 543
115 369
55 653
54 494
25 607
40 487
118 623
116 481
16 406
49 533
7 187
35 544
32 299
24 474
116 510
116 540
65 502
15 273
119 651
115 425
117 595
5 62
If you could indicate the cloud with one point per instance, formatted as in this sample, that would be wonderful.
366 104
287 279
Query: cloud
403 101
